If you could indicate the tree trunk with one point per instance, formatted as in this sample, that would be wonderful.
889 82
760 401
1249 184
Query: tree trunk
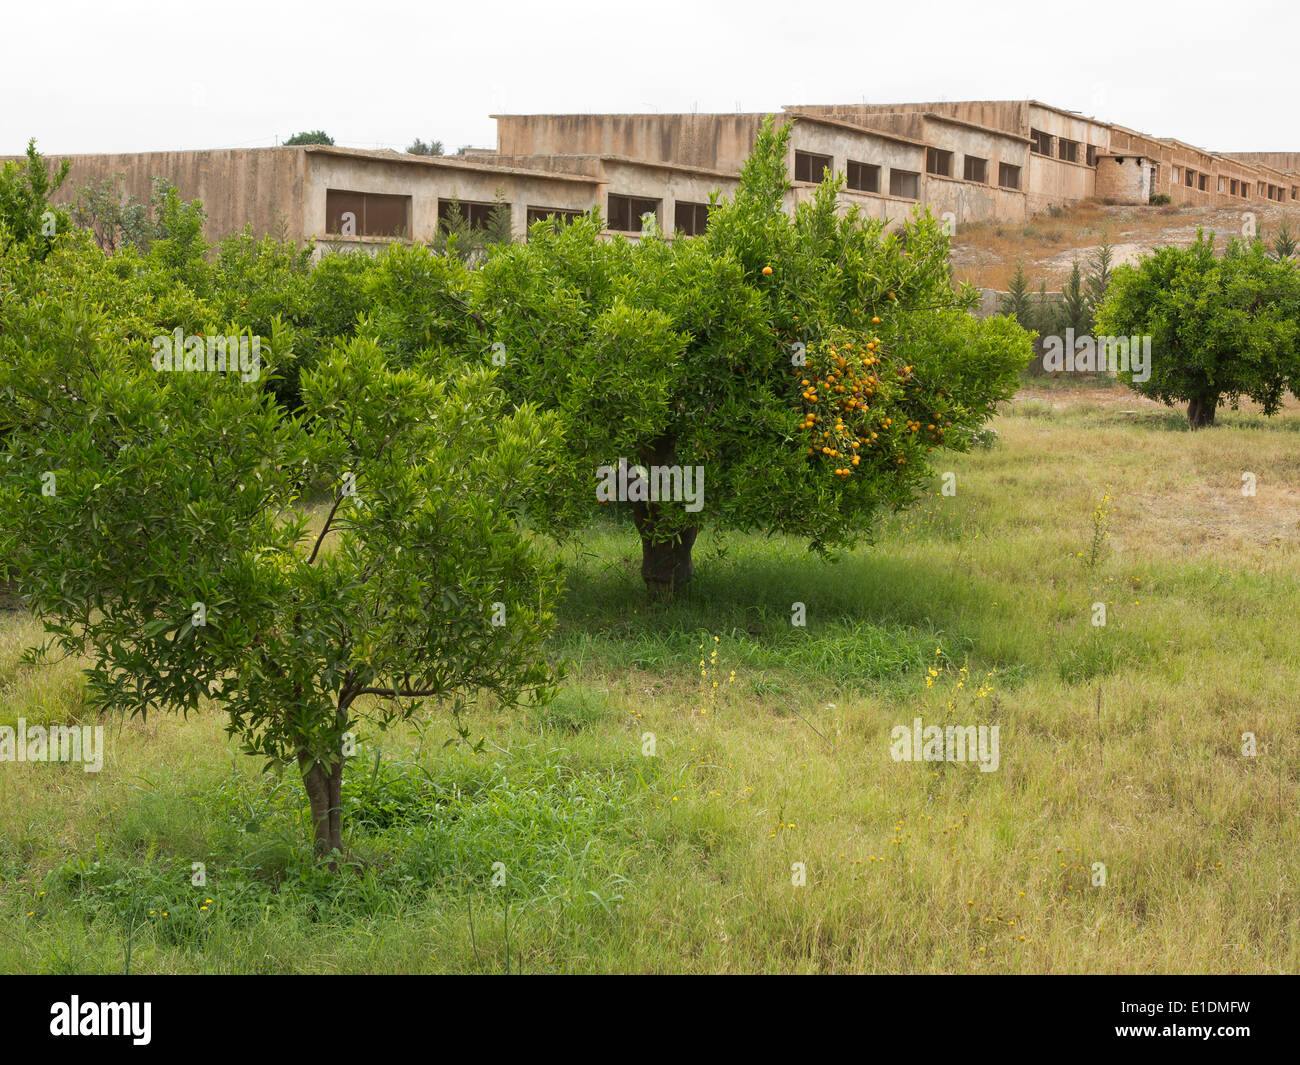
324 792
665 560
1200 411
666 564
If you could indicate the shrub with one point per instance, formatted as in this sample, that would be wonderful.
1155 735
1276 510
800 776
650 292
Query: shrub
26 216
336 294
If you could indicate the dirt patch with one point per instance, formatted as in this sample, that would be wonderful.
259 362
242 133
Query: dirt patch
1117 399
986 254
1206 516
1109 397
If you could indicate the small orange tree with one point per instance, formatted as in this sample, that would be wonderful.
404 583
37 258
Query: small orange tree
152 521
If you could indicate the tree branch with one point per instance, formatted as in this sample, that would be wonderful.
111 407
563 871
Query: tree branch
393 693
338 499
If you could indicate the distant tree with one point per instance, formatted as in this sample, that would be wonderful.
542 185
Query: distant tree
1284 245
116 220
137 217
500 226
458 237
1220 328
25 210
1047 313
1100 269
1016 301
419 147
316 136
1075 311
98 208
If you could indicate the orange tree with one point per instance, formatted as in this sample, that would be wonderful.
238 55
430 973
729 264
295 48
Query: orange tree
806 361
1219 328
153 521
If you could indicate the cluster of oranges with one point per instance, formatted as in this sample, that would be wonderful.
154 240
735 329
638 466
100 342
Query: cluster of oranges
851 381
839 387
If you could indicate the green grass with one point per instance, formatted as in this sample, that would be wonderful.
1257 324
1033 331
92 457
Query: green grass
612 860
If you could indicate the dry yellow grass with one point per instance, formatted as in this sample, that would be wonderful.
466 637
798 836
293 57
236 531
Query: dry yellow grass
986 254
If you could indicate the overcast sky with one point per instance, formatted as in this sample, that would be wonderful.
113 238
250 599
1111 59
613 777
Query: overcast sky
101 76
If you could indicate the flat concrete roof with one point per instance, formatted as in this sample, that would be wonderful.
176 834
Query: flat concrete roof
1062 111
726 114
921 104
993 130
633 114
856 127
450 162
730 175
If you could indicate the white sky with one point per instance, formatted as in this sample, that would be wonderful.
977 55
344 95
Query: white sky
141 75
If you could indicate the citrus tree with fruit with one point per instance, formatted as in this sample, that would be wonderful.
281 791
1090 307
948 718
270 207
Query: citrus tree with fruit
808 361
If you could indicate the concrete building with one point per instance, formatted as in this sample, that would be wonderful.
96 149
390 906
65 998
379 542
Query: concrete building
968 161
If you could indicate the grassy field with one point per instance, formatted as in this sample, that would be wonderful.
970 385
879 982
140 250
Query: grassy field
1120 745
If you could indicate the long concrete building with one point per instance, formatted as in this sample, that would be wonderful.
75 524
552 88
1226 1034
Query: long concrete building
970 161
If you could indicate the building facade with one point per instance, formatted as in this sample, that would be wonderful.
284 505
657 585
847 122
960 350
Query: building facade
966 161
